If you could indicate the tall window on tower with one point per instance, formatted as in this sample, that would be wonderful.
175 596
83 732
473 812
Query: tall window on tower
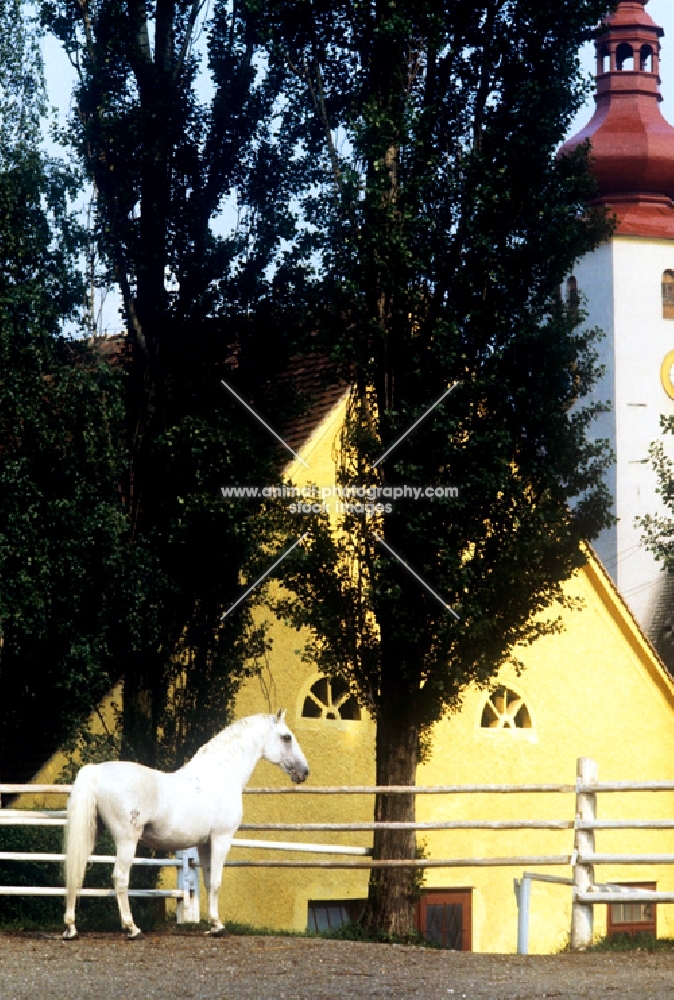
668 295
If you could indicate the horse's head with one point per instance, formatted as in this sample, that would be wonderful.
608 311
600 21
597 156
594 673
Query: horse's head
283 749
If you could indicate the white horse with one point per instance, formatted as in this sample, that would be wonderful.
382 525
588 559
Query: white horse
199 805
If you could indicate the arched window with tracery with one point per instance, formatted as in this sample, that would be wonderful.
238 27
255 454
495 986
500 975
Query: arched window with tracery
331 698
668 295
505 709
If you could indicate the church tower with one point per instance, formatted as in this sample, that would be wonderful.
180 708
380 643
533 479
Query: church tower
628 285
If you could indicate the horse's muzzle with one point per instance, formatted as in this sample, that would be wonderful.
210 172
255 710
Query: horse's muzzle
298 775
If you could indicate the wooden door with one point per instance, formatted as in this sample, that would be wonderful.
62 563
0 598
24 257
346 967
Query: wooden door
445 918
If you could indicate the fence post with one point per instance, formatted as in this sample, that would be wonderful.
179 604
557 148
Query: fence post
582 914
523 895
187 909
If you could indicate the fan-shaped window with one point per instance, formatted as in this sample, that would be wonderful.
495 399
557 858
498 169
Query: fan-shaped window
646 59
624 57
330 698
668 295
504 709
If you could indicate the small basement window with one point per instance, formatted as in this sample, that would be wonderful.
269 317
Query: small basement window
504 709
331 698
631 918
668 295
331 914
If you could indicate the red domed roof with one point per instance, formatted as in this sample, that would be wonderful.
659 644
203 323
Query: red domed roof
632 144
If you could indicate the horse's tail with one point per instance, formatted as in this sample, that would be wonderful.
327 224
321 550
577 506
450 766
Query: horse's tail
80 834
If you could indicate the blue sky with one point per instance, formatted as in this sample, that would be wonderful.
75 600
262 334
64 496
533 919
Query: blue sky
59 73
60 79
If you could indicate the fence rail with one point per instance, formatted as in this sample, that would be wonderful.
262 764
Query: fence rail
341 789
582 859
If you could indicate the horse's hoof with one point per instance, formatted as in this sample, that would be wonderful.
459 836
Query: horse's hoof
218 932
70 935
136 935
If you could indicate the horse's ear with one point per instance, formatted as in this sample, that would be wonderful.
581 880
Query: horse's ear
280 715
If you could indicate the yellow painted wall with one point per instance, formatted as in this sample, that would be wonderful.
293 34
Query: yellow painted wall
595 690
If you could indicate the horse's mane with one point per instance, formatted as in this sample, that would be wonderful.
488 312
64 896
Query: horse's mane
228 741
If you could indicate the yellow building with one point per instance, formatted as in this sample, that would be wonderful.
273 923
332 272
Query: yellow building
597 689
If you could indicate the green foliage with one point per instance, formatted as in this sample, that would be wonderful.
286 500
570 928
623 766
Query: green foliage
633 942
30 910
658 531
450 226
198 307
359 932
446 225
22 92
62 557
63 562
95 741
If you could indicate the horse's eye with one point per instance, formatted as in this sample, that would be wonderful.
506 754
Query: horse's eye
286 737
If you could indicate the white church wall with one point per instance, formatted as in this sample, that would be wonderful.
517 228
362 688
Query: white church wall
594 274
622 284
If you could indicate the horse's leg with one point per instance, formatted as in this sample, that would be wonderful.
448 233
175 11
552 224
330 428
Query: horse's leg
205 862
126 850
219 849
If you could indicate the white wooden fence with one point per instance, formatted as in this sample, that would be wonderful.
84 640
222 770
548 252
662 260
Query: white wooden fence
586 893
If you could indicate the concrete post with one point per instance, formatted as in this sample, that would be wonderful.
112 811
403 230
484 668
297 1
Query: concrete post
523 894
187 909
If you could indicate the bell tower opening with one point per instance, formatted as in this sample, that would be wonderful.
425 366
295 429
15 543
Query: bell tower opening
646 59
625 58
603 60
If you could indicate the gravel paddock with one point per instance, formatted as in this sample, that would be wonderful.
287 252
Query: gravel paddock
106 966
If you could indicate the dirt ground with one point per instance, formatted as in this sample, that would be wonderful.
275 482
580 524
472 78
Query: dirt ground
105 966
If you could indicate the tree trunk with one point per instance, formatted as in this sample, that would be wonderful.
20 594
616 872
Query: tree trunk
141 707
393 892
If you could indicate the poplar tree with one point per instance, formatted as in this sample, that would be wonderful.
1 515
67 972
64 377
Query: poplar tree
163 156
446 226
